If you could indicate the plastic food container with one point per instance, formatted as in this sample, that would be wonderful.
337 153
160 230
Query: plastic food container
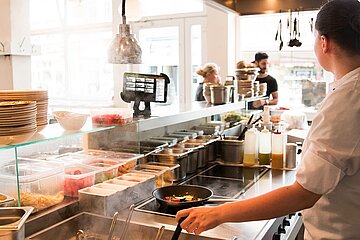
93 153
111 116
172 174
70 158
105 169
77 177
163 174
121 182
127 161
41 183
135 177
42 156
110 186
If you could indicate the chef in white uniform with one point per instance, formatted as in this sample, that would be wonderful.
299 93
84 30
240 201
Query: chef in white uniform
327 186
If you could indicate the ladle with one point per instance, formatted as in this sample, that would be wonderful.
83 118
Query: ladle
112 226
131 209
160 233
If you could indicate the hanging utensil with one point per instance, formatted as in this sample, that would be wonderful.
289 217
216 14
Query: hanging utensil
131 210
278 30
298 43
112 226
291 41
281 41
311 24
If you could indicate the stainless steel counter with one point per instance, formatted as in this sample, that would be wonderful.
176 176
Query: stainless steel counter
248 230
270 180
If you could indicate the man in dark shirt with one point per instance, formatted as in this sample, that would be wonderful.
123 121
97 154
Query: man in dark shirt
261 61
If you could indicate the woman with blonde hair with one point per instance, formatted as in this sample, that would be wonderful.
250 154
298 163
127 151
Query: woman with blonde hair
210 73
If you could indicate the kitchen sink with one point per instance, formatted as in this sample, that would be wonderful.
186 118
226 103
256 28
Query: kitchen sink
98 227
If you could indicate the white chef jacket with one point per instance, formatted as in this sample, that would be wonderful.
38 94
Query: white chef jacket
330 163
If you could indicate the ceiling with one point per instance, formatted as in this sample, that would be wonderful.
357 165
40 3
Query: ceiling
248 7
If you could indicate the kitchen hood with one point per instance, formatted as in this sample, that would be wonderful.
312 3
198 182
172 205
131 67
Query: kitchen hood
248 7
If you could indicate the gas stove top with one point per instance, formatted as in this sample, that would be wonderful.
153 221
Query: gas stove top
226 181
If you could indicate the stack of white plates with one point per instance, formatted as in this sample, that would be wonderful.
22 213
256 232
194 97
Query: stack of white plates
40 96
17 121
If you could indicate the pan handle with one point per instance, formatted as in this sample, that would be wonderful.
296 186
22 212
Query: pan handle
221 200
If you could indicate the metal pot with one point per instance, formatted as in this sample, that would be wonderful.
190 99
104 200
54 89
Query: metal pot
219 94
232 150
192 160
12 222
201 159
175 156
211 142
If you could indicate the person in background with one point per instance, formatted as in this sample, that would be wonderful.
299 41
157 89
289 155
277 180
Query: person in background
261 61
210 74
327 185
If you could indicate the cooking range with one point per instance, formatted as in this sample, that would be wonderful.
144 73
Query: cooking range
226 181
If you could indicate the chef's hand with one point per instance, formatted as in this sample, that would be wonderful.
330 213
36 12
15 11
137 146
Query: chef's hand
199 219
258 103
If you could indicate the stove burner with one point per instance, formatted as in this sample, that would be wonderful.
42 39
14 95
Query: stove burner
226 181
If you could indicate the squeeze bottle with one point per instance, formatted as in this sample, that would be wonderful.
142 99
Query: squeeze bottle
264 147
278 146
251 147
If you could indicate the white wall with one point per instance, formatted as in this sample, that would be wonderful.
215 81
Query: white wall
15 70
221 38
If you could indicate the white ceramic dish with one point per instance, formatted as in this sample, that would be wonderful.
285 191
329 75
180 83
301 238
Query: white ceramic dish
69 120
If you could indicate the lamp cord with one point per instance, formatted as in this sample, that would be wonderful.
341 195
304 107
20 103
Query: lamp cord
123 12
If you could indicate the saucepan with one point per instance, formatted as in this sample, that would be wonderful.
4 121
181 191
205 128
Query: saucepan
202 194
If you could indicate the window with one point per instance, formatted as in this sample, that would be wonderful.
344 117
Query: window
173 47
73 36
301 81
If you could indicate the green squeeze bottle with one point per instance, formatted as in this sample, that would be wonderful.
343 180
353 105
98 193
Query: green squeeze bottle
264 147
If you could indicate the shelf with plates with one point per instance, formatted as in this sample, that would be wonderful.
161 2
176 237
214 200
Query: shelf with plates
50 132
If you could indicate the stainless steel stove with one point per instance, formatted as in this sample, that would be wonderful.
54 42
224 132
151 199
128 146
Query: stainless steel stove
226 181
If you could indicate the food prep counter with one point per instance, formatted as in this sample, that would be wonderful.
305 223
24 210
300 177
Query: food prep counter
270 180
266 180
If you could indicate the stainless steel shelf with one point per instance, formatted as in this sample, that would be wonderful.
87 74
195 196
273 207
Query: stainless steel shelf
169 115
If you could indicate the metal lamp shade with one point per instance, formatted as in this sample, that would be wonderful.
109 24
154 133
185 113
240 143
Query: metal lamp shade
124 48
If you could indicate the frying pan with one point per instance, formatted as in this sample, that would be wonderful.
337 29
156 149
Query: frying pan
201 192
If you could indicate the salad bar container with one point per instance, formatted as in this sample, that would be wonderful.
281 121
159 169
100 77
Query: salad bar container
78 176
12 222
41 183
116 194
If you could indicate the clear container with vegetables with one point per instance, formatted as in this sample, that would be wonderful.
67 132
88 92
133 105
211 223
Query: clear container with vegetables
41 183
162 176
105 168
78 176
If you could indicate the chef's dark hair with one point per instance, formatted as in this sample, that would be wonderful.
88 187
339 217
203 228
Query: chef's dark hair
260 56
339 20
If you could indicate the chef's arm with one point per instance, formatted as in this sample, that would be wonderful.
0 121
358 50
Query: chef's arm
275 98
273 101
276 203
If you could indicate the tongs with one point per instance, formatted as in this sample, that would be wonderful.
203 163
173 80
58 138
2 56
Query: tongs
131 210
160 233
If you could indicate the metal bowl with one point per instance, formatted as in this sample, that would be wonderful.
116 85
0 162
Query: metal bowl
5 199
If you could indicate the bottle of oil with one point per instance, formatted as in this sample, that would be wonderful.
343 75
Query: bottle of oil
264 147
251 147
278 146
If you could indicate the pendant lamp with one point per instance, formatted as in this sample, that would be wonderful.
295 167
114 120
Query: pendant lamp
124 48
